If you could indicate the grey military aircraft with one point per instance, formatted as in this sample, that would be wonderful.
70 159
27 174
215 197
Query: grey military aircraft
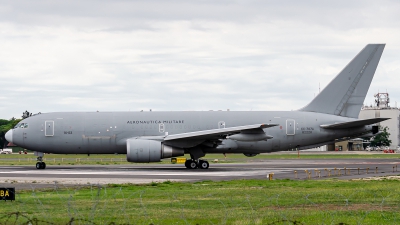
152 136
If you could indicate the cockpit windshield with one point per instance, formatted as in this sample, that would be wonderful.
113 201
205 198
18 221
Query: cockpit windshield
21 125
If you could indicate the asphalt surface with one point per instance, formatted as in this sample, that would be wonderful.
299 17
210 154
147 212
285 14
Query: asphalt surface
28 177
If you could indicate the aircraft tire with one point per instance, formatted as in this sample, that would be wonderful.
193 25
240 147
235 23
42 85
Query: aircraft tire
187 163
203 164
40 165
193 164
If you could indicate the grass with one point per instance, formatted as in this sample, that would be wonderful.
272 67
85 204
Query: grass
110 159
207 202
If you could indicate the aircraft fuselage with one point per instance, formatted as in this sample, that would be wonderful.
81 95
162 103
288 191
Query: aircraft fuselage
107 132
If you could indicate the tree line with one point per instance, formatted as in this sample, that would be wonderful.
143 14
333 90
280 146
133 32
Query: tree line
6 125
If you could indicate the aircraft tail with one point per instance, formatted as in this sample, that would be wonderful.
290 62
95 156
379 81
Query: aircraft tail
345 94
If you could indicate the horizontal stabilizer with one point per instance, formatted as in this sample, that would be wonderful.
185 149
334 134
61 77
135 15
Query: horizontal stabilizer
355 123
213 134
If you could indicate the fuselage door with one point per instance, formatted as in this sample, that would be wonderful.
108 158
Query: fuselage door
161 127
49 128
290 127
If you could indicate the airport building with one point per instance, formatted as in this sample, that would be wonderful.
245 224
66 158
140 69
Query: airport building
383 110
350 145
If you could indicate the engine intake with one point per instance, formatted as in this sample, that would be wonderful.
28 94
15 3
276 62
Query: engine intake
145 151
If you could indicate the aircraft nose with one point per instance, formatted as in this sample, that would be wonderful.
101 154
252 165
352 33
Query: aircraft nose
9 136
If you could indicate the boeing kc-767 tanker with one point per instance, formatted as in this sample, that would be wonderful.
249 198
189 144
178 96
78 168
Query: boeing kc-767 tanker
152 136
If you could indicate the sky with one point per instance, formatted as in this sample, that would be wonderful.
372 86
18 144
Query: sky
125 55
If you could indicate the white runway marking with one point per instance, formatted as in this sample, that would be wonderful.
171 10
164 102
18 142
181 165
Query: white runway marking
11 167
148 173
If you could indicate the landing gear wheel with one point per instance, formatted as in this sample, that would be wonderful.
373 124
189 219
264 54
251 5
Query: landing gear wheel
187 163
193 164
203 164
40 165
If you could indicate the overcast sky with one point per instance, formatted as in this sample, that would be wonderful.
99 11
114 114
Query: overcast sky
186 55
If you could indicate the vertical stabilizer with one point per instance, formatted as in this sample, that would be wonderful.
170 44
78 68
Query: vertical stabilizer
345 94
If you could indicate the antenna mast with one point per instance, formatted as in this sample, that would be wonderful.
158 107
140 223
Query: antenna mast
382 100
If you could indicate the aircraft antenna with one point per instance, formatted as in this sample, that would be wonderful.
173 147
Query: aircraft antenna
382 100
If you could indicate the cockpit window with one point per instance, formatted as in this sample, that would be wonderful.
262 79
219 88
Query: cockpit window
22 125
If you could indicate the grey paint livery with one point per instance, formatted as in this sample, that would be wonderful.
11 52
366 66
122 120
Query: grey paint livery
330 115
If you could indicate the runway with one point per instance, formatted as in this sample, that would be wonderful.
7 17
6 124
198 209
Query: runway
28 177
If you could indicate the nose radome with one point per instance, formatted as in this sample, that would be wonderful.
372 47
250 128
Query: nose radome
9 136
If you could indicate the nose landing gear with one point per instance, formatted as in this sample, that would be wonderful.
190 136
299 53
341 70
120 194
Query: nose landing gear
40 164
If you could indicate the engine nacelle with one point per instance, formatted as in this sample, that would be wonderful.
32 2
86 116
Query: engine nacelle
145 151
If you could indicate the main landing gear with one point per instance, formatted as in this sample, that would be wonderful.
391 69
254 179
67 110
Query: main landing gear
40 164
194 164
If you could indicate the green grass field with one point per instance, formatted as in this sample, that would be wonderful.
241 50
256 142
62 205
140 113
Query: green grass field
110 159
225 202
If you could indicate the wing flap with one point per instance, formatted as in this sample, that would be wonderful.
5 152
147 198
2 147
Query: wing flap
206 134
355 123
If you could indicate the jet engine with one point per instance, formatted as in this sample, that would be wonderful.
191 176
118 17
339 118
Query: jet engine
139 150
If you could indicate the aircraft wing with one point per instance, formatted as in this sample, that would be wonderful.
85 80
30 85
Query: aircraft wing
216 133
355 123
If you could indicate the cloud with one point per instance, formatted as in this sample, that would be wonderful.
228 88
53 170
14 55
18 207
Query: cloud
180 55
